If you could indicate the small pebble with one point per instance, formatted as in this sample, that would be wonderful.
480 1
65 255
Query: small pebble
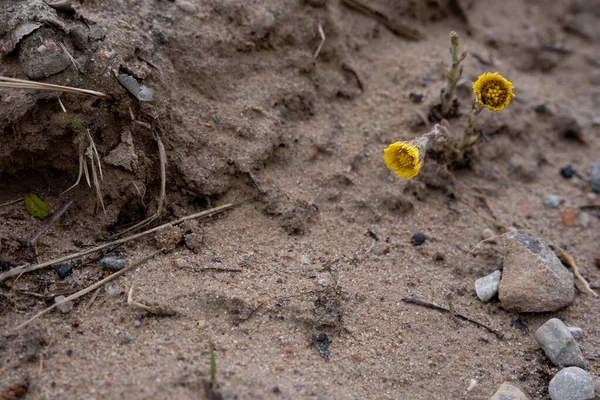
571 383
137 323
188 7
322 282
418 239
595 177
415 97
484 338
506 391
112 291
576 332
380 249
567 172
216 260
112 264
487 287
64 270
304 259
472 384
63 307
551 201
488 235
583 219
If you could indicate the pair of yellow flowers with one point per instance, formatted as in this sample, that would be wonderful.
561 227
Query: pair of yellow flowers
492 91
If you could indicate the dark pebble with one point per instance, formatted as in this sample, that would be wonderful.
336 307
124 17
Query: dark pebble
418 239
567 172
216 260
69 352
415 97
64 270
112 264
322 344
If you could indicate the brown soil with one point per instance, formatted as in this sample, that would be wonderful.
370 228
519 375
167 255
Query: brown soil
320 238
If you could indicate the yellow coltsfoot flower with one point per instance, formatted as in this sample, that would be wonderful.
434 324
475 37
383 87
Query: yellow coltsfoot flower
493 91
406 158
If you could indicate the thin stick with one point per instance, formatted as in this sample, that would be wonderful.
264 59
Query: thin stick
419 302
568 259
8 203
89 304
53 219
28 268
90 288
322 34
13 83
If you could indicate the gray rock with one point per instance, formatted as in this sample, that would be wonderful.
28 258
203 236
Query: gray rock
506 391
64 307
533 278
113 264
558 344
595 177
188 7
551 201
571 384
487 287
576 332
141 92
41 56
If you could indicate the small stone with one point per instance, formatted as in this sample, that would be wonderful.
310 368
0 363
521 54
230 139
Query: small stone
380 249
113 264
559 345
551 201
64 270
322 282
576 332
571 383
567 172
487 287
137 323
418 239
533 278
415 97
569 217
63 306
141 92
188 7
304 259
216 260
168 238
595 177
484 338
472 384
508 336
488 235
583 220
506 391
112 291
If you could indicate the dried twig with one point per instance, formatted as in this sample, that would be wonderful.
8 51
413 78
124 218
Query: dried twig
158 310
162 155
396 28
28 268
13 83
11 202
53 219
418 302
322 34
566 258
90 288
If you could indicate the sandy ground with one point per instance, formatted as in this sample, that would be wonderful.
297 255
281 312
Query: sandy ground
319 239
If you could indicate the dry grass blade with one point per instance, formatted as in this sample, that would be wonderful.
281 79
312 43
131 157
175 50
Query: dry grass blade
89 288
158 310
322 34
28 268
14 83
162 155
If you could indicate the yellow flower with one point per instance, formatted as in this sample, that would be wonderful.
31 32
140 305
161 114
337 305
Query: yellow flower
405 158
493 91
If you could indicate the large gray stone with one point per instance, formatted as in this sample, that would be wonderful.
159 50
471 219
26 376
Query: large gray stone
506 391
571 384
533 278
558 343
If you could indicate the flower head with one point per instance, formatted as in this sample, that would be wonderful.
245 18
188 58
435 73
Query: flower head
493 91
406 158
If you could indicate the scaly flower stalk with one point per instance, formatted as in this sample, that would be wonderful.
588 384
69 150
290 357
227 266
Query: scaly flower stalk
453 73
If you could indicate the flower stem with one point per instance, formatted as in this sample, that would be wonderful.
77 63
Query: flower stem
453 74
470 136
